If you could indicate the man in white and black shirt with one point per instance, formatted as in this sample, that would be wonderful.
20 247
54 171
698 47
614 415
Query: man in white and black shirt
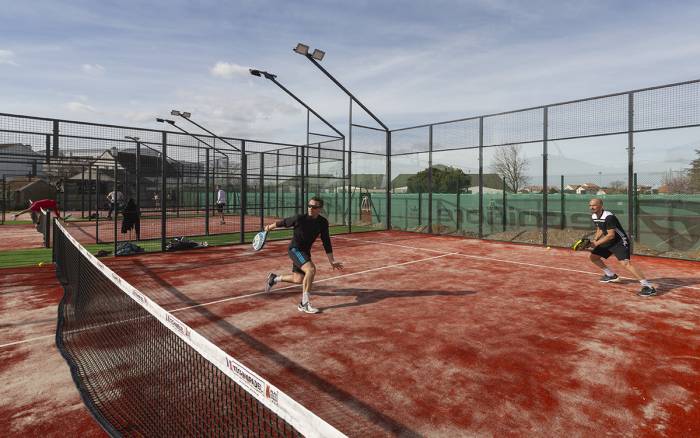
610 239
220 202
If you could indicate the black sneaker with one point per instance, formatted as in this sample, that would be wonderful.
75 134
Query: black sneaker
270 282
647 291
609 278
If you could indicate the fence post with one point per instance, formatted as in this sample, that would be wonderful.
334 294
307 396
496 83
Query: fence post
115 188
244 191
430 179
206 192
481 177
563 204
630 161
262 190
97 204
636 210
55 138
163 191
504 219
545 185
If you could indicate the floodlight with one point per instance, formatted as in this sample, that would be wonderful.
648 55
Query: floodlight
132 138
318 54
172 122
268 75
186 115
255 72
174 113
302 49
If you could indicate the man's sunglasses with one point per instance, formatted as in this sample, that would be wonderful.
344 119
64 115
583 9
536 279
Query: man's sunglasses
313 206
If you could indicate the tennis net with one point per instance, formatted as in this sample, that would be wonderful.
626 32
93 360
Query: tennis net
143 372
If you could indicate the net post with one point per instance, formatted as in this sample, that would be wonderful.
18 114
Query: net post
47 230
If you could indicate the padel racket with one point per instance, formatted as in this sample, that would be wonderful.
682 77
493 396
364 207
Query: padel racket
581 244
259 240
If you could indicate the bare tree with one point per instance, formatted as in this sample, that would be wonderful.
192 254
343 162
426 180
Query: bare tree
510 163
677 182
617 186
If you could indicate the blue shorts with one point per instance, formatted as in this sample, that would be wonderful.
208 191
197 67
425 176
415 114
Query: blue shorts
299 259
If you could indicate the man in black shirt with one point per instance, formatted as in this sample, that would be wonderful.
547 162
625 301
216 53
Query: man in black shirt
610 238
307 228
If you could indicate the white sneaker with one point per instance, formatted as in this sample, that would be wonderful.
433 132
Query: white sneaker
270 281
307 308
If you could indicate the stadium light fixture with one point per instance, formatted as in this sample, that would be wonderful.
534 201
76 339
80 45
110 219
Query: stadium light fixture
260 73
302 49
128 137
318 54
159 120
184 114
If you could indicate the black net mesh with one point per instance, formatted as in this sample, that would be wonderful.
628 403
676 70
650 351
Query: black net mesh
137 375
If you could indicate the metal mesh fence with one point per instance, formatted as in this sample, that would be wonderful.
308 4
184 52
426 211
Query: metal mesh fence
527 176
148 187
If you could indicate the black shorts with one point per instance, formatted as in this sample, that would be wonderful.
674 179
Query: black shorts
299 259
220 207
618 249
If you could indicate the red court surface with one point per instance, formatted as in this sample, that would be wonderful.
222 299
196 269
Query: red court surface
38 396
437 336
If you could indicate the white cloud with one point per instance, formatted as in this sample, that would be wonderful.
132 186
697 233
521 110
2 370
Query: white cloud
79 107
7 57
228 70
93 69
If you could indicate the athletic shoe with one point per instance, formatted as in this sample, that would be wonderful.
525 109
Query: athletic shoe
270 281
647 291
307 308
609 278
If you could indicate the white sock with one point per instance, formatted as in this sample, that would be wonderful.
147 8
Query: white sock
277 279
645 283
608 272
304 298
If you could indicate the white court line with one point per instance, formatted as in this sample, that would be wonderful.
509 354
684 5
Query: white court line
315 281
25 341
534 265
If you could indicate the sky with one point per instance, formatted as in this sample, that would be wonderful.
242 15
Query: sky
410 62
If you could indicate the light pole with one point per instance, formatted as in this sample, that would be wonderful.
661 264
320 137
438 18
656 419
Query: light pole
273 78
318 55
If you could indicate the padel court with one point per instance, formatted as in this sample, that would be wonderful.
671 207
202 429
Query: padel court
425 335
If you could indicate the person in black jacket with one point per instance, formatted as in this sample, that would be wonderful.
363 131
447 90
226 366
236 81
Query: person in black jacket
307 227
131 218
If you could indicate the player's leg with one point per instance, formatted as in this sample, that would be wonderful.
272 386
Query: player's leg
596 257
309 273
623 254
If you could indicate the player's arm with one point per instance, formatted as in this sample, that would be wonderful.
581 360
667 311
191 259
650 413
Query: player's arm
603 239
326 240
284 223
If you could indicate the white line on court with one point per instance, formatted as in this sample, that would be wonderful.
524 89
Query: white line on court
26 341
534 265
315 281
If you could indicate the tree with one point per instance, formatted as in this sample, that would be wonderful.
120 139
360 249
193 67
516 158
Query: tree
617 186
446 179
677 182
510 163
694 173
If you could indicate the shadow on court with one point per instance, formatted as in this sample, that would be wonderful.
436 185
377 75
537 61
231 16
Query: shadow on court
370 296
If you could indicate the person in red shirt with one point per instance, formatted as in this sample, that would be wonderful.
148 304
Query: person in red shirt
36 207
